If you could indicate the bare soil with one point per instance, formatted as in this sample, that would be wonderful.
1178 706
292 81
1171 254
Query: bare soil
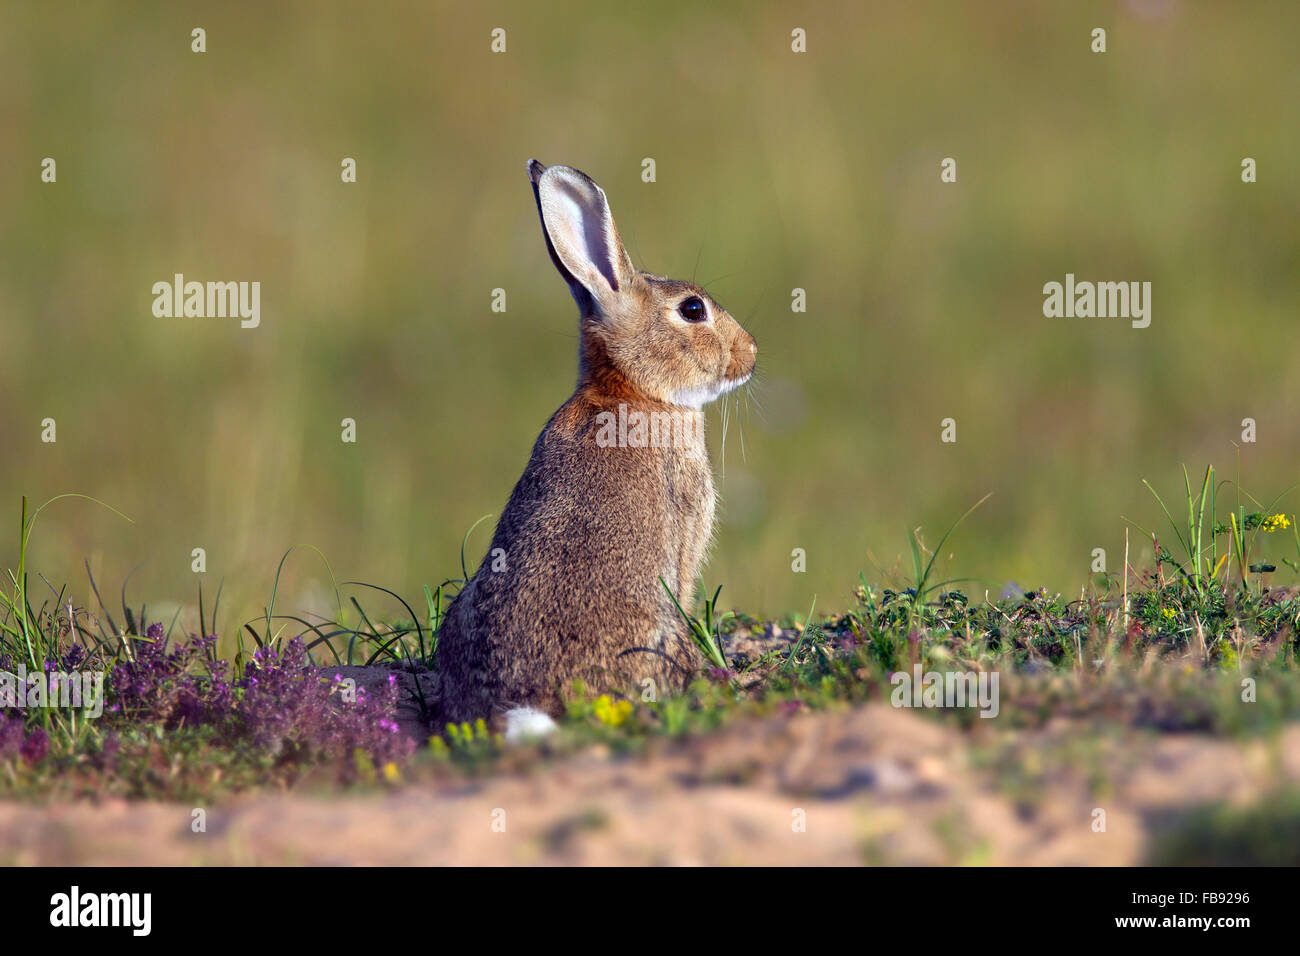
868 785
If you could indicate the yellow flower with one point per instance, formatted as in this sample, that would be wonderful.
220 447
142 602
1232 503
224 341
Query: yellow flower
1276 523
611 712
1169 612
391 773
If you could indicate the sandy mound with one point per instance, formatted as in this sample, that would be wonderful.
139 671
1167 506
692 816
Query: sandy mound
873 785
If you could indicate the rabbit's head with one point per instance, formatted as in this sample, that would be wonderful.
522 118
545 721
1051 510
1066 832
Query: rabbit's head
657 338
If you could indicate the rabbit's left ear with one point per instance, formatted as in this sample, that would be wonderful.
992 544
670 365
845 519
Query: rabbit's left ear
581 235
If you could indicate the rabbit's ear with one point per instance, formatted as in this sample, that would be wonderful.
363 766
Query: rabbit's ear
580 235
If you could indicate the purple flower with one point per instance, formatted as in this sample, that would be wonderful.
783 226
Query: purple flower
278 706
36 746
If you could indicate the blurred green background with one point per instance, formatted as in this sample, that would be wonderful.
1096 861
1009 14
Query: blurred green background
775 170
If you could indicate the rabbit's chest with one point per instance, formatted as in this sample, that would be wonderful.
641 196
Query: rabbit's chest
693 499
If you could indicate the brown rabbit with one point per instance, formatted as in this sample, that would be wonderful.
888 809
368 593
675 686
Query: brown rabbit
618 492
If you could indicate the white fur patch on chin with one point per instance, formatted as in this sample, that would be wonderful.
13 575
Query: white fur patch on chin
699 397
527 723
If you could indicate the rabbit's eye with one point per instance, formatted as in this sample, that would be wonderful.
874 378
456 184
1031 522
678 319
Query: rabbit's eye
693 310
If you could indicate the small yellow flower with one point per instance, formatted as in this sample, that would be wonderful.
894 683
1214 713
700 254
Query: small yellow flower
1276 523
1169 613
611 712
391 773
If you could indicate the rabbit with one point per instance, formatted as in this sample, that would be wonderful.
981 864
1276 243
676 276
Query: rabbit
570 588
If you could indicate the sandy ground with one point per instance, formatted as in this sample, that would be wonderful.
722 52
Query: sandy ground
870 785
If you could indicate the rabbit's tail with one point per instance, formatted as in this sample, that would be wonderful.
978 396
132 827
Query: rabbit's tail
527 723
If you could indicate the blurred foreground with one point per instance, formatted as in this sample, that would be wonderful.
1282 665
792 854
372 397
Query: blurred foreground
873 784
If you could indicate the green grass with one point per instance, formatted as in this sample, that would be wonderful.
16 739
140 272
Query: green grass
1166 652
1264 834
1156 677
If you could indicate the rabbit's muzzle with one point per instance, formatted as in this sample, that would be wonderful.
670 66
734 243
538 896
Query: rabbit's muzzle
744 355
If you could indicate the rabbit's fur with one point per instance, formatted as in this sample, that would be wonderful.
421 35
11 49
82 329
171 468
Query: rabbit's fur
570 587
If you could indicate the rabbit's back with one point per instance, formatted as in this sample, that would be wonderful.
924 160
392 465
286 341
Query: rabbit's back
570 588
